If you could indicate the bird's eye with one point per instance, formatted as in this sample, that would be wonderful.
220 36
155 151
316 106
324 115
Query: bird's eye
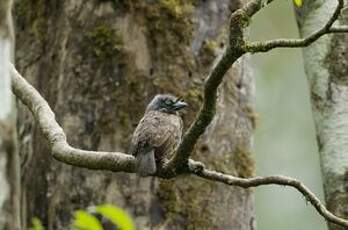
168 102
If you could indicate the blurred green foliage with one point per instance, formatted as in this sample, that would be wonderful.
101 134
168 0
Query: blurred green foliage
298 3
84 220
36 224
116 215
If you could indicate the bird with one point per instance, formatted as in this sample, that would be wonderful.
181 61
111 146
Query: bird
158 134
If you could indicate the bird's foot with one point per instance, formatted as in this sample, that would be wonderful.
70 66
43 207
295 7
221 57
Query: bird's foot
195 166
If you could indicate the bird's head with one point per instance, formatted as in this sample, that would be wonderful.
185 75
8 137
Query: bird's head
166 103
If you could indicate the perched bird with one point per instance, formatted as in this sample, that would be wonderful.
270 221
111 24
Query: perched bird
157 134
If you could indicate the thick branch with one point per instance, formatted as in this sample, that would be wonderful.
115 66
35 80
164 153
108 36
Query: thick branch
256 47
199 170
61 150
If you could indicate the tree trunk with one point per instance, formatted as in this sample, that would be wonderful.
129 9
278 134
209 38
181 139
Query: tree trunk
326 69
9 160
98 63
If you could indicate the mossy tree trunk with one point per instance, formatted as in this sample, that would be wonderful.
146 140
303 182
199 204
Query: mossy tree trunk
98 63
326 68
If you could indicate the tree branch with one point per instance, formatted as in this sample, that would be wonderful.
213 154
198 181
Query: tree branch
121 162
199 170
256 47
254 6
339 29
61 150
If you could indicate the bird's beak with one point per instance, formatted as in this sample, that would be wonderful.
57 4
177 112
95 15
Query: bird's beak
179 105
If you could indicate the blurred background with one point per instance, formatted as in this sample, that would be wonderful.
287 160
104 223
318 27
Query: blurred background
284 140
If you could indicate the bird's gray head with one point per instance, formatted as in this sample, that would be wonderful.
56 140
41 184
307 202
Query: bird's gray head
166 103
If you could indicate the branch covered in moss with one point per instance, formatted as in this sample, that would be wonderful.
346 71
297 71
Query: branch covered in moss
266 46
121 162
199 170
206 113
234 50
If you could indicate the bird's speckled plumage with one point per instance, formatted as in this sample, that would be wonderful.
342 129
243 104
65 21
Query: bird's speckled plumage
158 134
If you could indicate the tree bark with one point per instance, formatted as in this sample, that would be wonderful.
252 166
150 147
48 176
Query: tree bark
326 68
9 160
98 63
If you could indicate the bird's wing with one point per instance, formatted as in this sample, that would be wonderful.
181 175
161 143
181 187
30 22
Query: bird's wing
148 134
157 131
171 131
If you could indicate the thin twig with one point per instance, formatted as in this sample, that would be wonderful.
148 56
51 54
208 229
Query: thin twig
256 47
200 171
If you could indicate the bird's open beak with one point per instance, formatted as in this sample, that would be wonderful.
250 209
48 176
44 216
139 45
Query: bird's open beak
179 105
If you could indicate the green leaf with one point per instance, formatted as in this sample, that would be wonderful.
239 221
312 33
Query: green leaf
298 3
85 221
116 215
36 224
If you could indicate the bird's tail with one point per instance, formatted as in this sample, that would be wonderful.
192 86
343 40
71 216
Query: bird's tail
146 163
